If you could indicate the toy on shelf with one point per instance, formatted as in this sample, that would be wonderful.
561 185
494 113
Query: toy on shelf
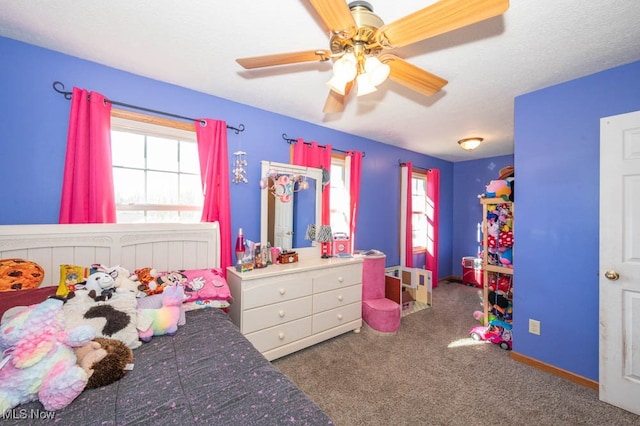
499 228
500 188
479 316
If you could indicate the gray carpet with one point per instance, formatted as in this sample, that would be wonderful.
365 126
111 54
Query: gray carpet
420 377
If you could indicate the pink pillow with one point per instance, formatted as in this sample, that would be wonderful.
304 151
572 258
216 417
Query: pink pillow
201 284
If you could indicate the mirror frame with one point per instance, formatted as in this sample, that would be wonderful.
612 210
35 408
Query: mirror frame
309 172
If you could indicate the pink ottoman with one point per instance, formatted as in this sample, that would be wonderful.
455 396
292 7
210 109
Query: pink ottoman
379 313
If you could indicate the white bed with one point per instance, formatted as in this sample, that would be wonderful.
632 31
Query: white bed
165 246
207 373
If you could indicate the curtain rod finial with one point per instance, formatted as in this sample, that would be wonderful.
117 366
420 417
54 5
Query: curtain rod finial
59 87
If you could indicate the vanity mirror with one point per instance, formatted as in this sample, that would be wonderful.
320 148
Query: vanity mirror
291 200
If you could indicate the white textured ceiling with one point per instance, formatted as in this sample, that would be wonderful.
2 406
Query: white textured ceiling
194 44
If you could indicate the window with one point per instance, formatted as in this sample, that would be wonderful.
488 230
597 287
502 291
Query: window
422 210
340 197
156 173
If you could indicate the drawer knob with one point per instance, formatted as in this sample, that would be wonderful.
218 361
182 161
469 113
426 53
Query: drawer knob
281 313
340 279
340 317
282 291
281 335
340 298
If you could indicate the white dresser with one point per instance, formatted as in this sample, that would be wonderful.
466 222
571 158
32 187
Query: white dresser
284 308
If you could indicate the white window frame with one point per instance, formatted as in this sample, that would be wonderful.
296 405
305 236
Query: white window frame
133 122
416 175
344 162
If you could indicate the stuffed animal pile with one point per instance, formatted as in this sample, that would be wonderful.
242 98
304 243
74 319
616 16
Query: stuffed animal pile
500 235
50 352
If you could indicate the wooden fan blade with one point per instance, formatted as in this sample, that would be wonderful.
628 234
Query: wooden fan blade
439 18
284 58
402 72
335 101
337 16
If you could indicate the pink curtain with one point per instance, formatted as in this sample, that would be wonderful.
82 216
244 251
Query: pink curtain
214 172
354 194
314 155
87 186
408 169
433 197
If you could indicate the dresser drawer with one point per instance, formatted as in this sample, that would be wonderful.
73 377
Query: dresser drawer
335 298
279 313
335 317
275 290
279 335
335 278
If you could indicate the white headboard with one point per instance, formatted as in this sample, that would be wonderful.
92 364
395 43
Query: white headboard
161 246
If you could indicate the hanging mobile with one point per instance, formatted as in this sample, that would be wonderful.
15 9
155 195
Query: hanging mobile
239 167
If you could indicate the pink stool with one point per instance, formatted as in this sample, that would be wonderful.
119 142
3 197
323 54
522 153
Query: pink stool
379 313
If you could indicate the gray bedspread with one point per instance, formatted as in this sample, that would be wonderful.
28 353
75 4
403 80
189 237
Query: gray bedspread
208 373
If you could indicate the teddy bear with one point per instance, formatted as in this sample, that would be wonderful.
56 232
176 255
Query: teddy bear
39 362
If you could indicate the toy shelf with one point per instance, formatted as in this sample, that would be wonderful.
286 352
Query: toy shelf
487 267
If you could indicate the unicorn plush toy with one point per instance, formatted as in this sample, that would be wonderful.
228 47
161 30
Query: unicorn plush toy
164 320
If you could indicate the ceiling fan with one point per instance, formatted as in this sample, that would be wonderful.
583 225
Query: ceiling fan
359 38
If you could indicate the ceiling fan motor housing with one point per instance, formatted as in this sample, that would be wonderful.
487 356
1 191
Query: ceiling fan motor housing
367 23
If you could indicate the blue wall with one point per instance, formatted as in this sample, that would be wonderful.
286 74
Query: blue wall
557 144
470 179
33 132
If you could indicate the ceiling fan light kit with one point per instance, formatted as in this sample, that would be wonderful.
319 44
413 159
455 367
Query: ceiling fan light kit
469 144
345 70
364 85
376 70
358 36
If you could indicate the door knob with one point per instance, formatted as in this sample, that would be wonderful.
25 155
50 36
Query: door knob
611 275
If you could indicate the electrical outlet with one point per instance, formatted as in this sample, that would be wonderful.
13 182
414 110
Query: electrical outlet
534 326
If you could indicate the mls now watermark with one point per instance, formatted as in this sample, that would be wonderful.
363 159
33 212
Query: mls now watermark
25 414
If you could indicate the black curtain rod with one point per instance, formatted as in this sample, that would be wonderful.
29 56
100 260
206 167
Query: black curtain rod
420 169
290 141
59 87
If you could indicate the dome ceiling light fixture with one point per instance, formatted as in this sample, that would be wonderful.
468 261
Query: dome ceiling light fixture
469 144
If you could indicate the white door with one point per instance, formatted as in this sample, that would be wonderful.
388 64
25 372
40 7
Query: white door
619 270
283 229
